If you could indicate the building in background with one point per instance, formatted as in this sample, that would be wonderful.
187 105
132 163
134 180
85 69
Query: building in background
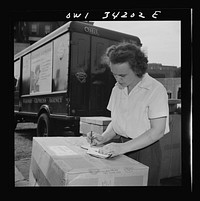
27 33
158 70
169 76
173 87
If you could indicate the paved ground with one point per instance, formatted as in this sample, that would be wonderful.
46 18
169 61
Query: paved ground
20 181
23 146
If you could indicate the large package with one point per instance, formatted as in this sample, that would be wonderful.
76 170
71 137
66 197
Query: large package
60 161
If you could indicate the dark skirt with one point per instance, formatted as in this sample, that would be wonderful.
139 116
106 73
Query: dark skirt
150 156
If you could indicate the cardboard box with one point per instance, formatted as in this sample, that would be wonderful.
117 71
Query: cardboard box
85 128
96 124
103 121
60 161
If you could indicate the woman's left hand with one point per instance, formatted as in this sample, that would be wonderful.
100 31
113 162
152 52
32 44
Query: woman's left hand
112 148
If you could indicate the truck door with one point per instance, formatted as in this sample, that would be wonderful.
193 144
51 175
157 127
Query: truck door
79 74
101 79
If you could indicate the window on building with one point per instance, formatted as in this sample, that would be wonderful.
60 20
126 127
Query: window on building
179 93
156 75
34 29
47 29
169 93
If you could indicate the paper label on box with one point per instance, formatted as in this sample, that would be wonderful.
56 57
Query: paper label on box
62 150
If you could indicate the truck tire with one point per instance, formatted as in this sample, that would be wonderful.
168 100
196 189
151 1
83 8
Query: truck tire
43 126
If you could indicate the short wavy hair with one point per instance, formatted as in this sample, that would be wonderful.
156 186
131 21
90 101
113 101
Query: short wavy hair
128 52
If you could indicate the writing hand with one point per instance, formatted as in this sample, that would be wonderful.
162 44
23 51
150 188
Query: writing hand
94 138
113 148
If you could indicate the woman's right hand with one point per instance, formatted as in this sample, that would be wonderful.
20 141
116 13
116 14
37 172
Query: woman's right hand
94 138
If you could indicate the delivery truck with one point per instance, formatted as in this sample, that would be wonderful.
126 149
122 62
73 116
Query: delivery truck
61 78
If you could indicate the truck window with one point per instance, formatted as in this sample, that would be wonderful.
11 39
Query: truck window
60 63
101 82
26 75
16 74
98 74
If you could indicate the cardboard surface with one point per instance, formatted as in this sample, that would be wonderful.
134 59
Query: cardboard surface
102 121
87 127
60 161
95 124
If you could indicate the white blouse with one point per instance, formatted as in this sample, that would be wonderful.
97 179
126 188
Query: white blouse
131 113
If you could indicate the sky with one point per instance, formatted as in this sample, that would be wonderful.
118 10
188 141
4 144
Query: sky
161 40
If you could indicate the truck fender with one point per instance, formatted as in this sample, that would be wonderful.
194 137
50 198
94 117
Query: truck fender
44 109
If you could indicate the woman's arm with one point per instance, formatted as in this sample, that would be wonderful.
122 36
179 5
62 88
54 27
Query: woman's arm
147 138
98 139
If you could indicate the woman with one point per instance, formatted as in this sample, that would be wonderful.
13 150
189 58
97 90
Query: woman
139 110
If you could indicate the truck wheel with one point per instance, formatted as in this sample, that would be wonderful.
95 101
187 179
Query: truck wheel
43 126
